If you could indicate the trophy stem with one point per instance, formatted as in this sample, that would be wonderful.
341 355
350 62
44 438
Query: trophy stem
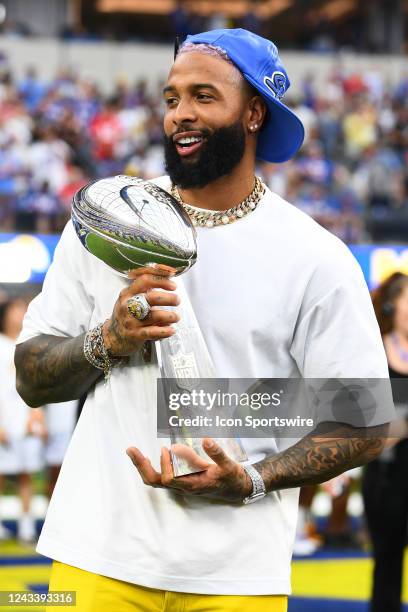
184 361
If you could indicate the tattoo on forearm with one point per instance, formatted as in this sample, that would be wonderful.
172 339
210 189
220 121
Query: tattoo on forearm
321 456
53 369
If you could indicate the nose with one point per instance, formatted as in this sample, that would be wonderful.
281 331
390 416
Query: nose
184 112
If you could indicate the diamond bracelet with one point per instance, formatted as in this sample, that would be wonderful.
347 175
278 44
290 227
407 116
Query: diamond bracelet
96 352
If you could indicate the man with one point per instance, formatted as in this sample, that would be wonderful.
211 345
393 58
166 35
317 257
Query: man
275 296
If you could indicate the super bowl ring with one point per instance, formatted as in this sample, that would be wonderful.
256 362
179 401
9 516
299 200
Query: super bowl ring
138 306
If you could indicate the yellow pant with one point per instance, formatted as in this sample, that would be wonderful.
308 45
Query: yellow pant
96 593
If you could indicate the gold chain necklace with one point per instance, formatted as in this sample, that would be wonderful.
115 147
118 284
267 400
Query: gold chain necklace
212 218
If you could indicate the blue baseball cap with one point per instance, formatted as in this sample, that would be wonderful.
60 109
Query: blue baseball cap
257 59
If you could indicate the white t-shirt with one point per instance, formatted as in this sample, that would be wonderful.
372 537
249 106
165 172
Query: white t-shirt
275 296
61 418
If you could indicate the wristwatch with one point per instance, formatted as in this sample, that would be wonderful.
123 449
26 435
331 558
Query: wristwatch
258 485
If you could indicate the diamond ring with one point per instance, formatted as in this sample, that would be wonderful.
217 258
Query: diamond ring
138 306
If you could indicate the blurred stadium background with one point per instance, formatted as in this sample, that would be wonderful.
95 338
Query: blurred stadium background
80 98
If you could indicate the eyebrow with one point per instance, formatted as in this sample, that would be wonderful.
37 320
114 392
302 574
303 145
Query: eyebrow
169 88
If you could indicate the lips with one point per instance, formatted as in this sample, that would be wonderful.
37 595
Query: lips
187 143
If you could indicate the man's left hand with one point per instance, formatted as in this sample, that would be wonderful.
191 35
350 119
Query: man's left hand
224 479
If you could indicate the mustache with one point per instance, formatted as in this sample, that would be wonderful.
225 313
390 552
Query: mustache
184 127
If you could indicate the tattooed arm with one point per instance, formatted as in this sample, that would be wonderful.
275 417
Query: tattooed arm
54 369
330 450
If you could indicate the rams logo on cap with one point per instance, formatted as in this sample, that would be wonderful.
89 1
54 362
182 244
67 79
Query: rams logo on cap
276 84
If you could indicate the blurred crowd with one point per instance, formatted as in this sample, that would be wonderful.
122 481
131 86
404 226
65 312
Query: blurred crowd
55 136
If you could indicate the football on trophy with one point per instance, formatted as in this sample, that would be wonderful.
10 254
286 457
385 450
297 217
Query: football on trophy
129 223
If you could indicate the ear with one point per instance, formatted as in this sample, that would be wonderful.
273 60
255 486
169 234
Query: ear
256 114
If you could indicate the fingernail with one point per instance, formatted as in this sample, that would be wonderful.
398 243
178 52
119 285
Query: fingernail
171 271
209 443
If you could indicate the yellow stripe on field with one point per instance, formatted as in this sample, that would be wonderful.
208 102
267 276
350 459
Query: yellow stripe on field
12 548
338 579
18 577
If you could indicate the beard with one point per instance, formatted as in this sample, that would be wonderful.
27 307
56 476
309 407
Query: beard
221 151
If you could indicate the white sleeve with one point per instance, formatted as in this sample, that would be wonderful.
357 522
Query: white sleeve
64 306
338 347
337 335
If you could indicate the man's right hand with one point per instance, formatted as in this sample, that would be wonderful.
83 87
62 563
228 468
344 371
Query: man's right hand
123 334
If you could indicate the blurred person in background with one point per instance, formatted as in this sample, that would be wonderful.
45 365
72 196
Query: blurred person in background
378 176
32 90
337 532
385 483
22 430
359 125
107 133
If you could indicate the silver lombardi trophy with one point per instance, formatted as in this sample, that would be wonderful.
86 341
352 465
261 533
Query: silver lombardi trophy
130 223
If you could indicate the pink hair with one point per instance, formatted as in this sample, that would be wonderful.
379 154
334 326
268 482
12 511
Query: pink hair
207 49
213 51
